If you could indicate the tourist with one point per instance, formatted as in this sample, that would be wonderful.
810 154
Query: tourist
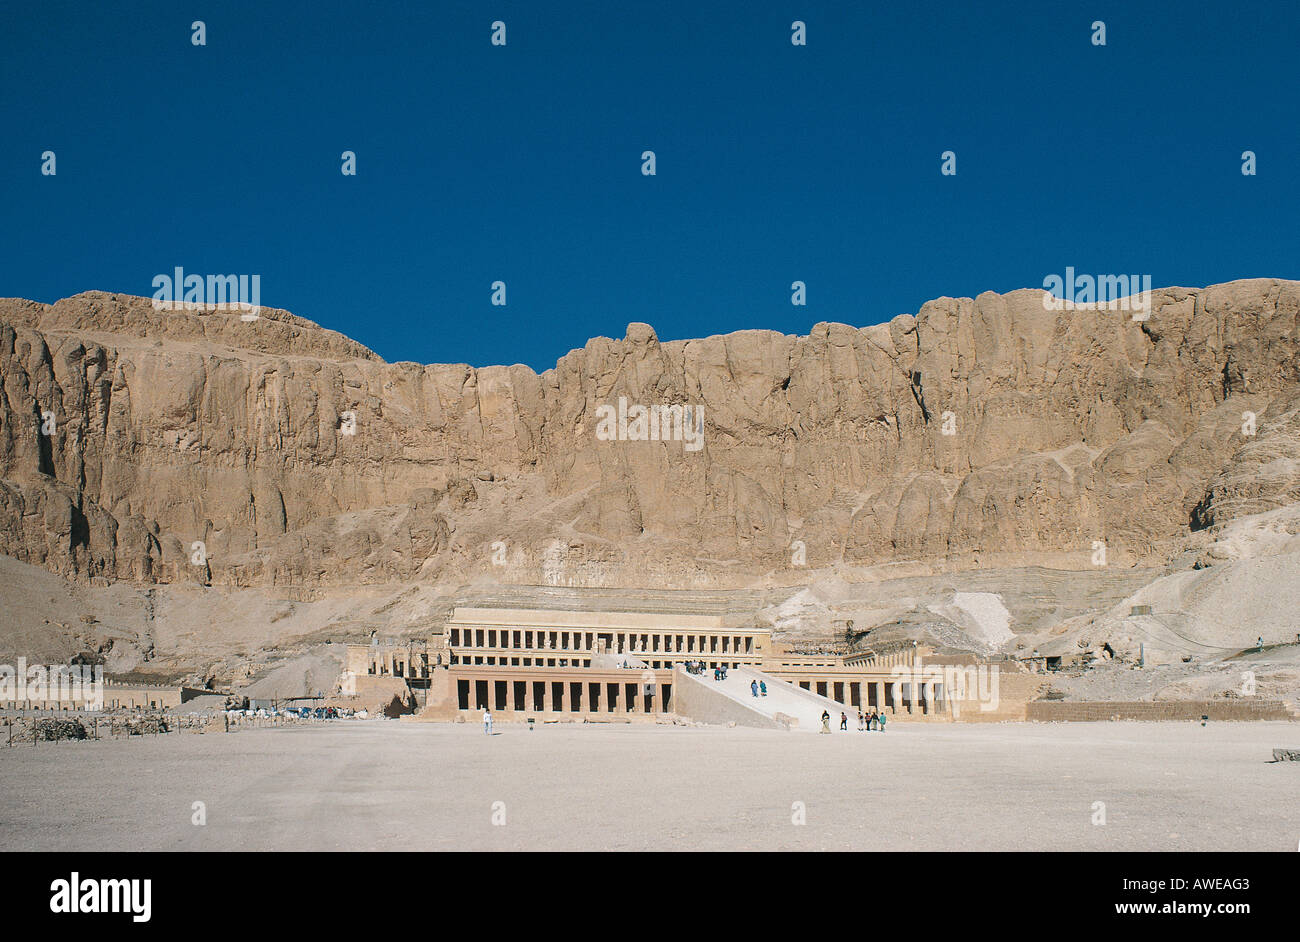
487 721
753 687
882 722
844 721
873 721
762 687
861 722
826 722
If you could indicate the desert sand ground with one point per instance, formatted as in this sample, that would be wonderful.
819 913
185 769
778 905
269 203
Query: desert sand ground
370 785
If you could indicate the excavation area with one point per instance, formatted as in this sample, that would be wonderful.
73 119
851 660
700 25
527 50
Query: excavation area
385 784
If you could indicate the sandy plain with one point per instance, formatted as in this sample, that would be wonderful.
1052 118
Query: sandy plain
381 784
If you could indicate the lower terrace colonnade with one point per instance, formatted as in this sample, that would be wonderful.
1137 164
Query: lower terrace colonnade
574 691
890 696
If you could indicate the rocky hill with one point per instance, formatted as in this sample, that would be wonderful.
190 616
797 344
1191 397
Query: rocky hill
158 452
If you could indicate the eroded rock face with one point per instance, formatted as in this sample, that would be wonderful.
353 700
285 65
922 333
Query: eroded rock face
296 457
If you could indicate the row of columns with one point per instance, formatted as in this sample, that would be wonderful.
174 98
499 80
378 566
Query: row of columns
623 641
548 702
398 662
928 701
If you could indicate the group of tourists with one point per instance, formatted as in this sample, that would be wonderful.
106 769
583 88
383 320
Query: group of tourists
758 688
866 721
699 667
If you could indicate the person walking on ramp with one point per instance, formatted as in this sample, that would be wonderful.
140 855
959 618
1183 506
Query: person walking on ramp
487 721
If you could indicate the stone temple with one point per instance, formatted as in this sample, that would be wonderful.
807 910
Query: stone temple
555 664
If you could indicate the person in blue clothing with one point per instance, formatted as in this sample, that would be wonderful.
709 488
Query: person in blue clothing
753 687
762 687
882 722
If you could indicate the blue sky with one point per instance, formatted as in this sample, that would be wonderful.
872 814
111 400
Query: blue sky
522 163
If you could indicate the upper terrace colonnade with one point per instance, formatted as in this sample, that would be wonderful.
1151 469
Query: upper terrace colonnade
533 638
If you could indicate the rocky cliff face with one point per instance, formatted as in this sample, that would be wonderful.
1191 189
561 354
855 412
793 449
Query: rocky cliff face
298 458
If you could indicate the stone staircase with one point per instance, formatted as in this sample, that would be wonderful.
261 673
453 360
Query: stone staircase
784 702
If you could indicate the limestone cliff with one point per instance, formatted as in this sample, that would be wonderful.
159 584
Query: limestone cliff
298 458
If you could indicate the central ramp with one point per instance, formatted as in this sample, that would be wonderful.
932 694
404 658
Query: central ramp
701 698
